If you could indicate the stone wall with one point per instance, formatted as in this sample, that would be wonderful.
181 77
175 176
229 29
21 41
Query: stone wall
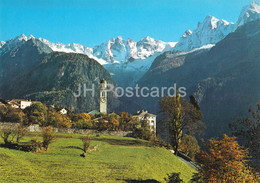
8 125
37 128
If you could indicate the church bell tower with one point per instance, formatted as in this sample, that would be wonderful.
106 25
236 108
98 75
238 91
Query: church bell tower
103 97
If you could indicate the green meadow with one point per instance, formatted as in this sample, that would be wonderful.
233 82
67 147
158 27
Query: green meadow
117 159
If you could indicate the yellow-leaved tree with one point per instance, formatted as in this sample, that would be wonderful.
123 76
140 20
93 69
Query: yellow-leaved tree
85 116
171 109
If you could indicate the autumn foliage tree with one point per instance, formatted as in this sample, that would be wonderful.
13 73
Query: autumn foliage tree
82 121
85 116
10 114
37 114
171 110
56 119
180 116
113 123
48 137
86 143
224 161
248 132
125 117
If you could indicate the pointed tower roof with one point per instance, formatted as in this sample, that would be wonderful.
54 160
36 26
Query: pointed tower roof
103 81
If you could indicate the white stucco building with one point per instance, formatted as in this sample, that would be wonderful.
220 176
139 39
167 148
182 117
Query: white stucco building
20 103
63 111
151 118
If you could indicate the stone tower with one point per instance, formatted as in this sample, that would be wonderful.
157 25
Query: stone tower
103 96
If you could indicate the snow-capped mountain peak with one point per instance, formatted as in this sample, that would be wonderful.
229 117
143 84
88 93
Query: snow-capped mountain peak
21 37
213 30
69 48
119 38
147 39
2 43
30 37
120 51
210 31
13 44
249 13
187 33
211 21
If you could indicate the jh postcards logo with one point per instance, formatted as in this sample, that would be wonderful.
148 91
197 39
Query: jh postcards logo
129 92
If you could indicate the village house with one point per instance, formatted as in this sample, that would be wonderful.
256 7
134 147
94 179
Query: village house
63 111
20 103
151 118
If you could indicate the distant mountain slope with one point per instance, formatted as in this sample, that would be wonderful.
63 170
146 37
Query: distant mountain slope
18 56
52 77
121 58
128 60
225 79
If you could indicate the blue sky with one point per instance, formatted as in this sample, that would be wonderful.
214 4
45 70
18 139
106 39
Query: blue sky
93 22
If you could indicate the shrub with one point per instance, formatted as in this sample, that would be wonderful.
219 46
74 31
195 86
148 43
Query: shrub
20 132
48 137
161 143
35 146
86 143
85 116
81 124
143 133
174 178
33 140
113 124
196 178
63 121
8 136
189 146
31 146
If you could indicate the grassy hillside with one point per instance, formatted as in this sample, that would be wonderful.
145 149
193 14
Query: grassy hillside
118 159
